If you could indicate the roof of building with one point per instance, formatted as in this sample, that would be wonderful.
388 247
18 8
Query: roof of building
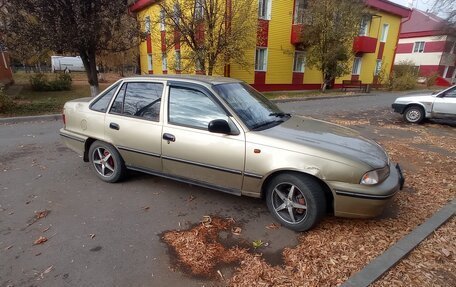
422 24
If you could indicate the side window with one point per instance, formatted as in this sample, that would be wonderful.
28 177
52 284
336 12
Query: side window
192 108
451 93
101 104
117 105
143 100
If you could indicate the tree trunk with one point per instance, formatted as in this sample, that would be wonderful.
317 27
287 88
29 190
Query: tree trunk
89 60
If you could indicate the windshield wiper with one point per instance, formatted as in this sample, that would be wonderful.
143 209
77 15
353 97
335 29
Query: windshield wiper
266 124
280 114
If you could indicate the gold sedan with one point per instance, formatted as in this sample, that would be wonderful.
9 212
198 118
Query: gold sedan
220 133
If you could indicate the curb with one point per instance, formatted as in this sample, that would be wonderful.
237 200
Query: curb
380 265
15 120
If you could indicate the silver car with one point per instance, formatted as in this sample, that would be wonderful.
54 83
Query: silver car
220 133
415 108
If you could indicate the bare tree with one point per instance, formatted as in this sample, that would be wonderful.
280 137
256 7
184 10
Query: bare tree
74 26
211 33
448 8
329 29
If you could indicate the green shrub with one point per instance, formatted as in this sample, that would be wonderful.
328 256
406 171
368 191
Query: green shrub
430 80
40 82
404 77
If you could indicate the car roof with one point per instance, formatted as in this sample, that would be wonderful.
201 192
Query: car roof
211 80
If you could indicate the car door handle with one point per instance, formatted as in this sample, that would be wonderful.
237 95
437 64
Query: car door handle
169 137
114 126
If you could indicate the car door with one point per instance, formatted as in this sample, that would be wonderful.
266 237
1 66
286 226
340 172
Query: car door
134 124
445 103
192 153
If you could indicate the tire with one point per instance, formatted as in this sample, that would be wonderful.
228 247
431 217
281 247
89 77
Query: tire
107 162
307 193
414 114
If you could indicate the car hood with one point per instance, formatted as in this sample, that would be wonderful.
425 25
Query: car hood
416 98
329 138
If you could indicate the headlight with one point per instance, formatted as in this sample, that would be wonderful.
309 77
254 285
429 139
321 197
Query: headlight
375 176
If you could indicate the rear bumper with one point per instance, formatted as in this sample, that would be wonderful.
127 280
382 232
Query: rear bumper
399 108
356 200
73 141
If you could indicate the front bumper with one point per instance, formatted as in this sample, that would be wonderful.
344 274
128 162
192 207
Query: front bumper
399 108
363 201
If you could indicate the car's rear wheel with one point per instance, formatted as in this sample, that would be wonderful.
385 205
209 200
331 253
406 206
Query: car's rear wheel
297 202
107 162
414 114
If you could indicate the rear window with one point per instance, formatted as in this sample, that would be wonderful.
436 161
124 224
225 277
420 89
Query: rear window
102 103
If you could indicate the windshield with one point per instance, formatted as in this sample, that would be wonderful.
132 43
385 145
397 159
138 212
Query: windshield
253 108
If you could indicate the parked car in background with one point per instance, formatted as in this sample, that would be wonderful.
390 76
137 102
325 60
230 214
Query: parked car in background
220 133
415 108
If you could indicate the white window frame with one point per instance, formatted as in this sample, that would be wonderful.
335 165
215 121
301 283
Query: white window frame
445 72
263 65
299 14
385 30
418 47
299 67
356 70
177 59
264 9
162 20
364 26
378 67
147 24
453 47
199 9
150 65
164 62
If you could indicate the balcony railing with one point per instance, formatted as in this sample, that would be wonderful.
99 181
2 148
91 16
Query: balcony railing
364 44
296 33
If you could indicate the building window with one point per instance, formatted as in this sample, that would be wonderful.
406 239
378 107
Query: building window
364 27
418 47
147 24
261 59
162 20
385 29
356 66
177 59
164 62
264 9
299 12
149 62
299 62
378 68
199 9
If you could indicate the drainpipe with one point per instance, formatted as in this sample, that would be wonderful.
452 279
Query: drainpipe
397 42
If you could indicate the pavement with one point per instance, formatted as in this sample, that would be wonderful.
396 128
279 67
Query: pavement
377 267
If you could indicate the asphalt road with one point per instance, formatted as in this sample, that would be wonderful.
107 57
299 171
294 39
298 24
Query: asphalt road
102 234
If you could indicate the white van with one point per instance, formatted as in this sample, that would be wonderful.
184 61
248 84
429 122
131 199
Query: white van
70 64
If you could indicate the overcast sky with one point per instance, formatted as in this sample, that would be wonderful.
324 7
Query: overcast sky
420 4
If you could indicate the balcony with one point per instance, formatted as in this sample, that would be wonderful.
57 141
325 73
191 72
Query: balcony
364 44
296 33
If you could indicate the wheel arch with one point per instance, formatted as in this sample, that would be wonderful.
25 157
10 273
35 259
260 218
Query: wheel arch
418 104
324 186
89 141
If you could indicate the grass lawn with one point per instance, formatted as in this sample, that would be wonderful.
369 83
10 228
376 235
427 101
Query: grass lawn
28 102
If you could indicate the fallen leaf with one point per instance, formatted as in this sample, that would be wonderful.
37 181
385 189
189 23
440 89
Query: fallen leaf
236 230
9 247
41 214
38 254
446 252
257 243
146 208
206 221
46 229
191 198
92 236
220 274
273 226
40 240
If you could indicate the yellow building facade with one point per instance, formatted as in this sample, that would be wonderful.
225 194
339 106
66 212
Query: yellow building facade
276 63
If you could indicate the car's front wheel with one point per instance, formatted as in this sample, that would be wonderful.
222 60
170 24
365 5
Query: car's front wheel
414 114
107 162
297 202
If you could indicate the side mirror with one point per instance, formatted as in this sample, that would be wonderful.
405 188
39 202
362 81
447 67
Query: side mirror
219 127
